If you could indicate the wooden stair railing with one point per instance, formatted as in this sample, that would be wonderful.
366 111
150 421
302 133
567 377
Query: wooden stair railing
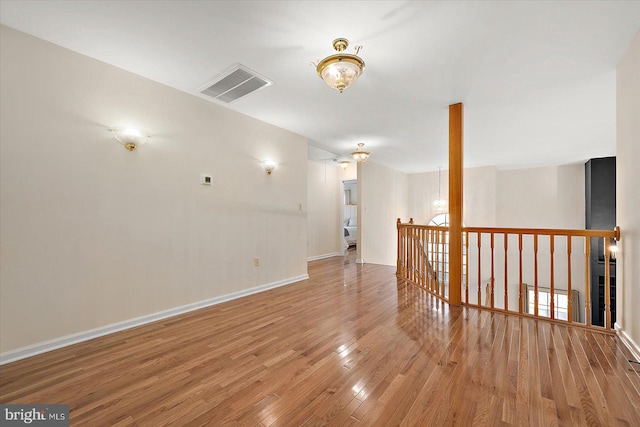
420 258
498 261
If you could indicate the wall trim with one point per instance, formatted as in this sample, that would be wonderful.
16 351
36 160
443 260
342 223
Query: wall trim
56 343
317 257
631 345
359 260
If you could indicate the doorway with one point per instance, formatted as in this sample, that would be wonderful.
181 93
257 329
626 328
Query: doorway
349 215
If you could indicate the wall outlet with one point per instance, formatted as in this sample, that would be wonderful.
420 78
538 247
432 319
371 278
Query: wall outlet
206 179
256 262
299 206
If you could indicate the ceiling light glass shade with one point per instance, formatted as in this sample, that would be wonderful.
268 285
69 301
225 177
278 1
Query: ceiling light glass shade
131 138
344 164
341 70
360 155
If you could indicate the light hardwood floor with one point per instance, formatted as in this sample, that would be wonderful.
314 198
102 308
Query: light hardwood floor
349 346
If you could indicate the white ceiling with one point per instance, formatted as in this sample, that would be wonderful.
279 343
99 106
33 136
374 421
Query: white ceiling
537 78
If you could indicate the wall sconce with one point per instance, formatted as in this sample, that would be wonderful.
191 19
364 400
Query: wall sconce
269 166
131 138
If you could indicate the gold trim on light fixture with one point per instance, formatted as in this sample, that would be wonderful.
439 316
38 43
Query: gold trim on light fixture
360 155
130 137
341 70
344 164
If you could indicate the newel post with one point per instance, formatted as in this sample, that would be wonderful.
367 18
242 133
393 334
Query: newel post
456 165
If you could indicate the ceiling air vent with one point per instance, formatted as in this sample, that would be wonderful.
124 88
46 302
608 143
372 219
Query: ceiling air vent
234 83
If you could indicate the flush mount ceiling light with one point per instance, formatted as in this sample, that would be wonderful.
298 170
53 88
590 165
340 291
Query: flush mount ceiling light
344 164
131 138
341 70
360 155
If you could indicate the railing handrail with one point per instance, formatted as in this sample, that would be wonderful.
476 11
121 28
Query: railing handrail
614 234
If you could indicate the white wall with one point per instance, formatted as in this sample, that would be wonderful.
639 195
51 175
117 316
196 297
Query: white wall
383 198
323 217
542 197
92 234
628 194
480 196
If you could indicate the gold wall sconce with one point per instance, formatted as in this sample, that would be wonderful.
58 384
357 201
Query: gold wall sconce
130 137
269 166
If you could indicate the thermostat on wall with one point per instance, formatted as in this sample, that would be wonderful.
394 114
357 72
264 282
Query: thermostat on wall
206 179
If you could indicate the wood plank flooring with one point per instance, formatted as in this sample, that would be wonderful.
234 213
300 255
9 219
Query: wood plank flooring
350 346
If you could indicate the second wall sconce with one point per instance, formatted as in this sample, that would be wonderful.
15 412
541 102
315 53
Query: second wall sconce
269 166
131 138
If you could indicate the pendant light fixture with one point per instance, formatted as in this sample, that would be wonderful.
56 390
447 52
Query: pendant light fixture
439 204
341 70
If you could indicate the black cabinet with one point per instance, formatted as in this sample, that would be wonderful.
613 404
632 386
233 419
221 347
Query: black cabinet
600 214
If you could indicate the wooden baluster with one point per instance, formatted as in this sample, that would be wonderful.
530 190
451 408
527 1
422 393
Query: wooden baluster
506 296
398 249
587 263
607 283
423 257
419 256
447 259
535 274
569 299
427 255
405 248
402 259
442 264
414 256
520 301
438 255
466 268
433 259
446 264
552 289
479 269
493 275
411 260
406 252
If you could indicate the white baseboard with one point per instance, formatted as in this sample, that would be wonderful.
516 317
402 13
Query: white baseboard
633 347
43 347
359 260
317 257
